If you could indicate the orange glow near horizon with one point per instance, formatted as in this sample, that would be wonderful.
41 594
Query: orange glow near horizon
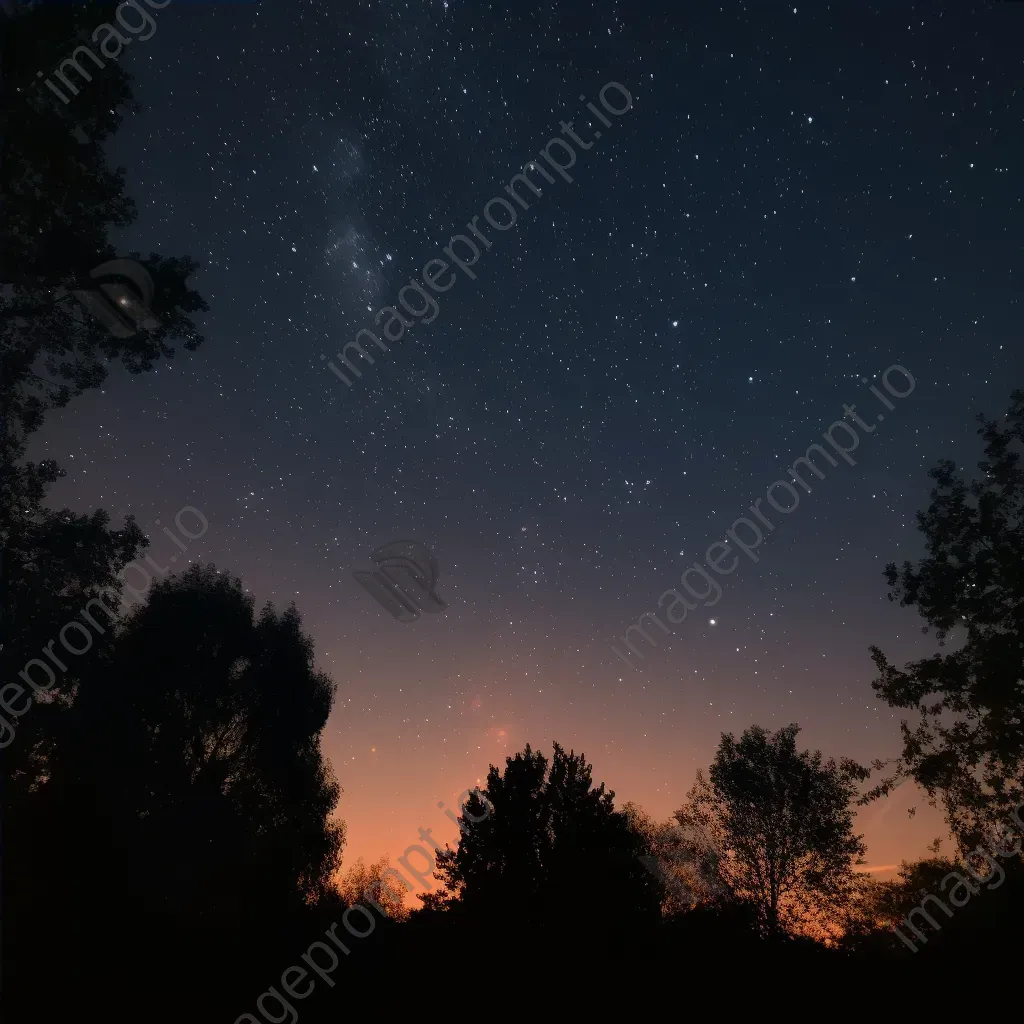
376 828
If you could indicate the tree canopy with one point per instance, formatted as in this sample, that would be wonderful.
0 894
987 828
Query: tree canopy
783 823
967 745
203 757
542 844
61 200
61 203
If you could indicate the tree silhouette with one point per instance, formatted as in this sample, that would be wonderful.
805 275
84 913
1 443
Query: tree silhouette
782 822
685 859
543 846
968 744
55 563
369 886
186 799
870 916
194 739
60 200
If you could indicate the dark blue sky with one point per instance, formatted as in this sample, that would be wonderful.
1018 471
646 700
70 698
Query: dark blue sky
799 198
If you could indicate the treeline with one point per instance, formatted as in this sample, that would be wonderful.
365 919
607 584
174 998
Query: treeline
170 849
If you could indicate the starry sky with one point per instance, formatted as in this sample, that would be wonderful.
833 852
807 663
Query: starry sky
797 199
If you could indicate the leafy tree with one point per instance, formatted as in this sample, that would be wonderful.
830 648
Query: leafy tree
542 845
361 881
55 564
782 822
967 746
500 860
870 916
194 740
60 200
183 825
685 859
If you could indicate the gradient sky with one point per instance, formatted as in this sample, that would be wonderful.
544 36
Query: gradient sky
799 198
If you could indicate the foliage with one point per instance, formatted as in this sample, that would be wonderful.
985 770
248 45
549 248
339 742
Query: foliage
360 881
548 846
684 858
783 823
60 202
967 746
194 738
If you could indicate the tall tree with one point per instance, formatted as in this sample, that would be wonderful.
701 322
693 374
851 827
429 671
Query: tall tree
194 738
782 821
967 745
186 801
60 201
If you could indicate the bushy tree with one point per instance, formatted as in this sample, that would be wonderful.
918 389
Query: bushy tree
542 846
684 859
195 740
967 744
362 881
54 564
874 909
60 201
782 821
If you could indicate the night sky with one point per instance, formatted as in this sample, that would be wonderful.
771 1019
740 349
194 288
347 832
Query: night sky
798 198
